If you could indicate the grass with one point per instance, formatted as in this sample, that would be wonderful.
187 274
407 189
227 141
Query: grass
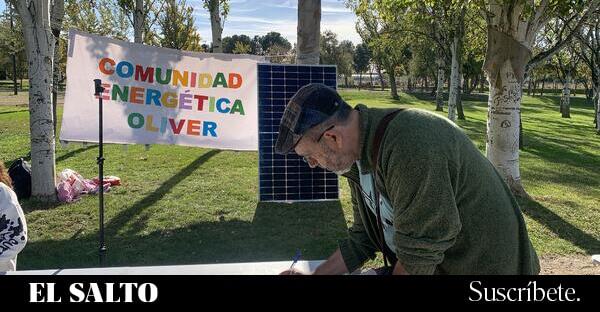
181 205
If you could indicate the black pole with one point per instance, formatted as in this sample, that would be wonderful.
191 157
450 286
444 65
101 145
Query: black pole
98 92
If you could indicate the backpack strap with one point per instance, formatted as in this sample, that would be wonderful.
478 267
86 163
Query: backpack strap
375 152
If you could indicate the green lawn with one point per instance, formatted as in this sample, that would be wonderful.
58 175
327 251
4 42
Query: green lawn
181 205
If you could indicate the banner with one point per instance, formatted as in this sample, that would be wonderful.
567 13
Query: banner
160 96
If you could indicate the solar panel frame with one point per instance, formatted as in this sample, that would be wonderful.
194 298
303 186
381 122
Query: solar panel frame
287 178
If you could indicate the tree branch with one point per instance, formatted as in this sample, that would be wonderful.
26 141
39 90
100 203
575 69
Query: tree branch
542 56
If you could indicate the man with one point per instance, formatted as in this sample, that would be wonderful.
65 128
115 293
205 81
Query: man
443 208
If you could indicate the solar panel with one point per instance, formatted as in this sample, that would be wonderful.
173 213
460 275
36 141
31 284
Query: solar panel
288 178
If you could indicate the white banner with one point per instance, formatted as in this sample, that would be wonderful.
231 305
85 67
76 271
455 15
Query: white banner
160 96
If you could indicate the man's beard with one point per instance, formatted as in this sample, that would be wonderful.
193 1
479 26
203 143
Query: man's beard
339 164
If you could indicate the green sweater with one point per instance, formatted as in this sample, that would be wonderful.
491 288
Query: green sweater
452 212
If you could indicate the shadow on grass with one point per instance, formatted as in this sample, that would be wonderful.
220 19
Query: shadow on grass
117 222
575 102
75 152
562 152
559 226
274 234
473 97
13 112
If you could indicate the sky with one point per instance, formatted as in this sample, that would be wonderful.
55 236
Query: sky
258 17
252 17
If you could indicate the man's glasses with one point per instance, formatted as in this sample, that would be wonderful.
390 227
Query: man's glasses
305 158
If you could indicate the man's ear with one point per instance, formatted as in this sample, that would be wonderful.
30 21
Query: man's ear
334 136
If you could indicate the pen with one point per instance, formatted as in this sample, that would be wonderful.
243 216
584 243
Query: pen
295 260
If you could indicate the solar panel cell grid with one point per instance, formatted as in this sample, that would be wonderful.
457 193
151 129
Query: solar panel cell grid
288 178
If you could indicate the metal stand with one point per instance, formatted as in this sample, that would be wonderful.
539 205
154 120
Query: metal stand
98 92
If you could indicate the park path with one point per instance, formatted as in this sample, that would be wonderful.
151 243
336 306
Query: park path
7 98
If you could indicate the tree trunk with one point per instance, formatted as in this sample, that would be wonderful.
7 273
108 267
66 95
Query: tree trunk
58 12
502 146
309 32
216 26
481 83
439 94
543 86
507 56
459 108
393 87
138 22
598 114
454 89
565 100
39 42
380 77
520 131
359 80
529 87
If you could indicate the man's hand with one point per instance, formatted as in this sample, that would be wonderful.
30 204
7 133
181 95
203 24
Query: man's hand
293 271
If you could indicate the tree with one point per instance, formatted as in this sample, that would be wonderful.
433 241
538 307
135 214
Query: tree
512 29
345 66
218 9
423 55
56 19
142 16
361 61
11 41
474 52
230 43
176 23
456 51
309 30
375 25
340 54
39 41
278 54
566 62
241 48
589 38
368 29
272 39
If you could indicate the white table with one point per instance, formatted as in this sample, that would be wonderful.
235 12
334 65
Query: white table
248 268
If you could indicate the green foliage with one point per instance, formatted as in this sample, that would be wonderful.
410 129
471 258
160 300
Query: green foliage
241 41
274 39
423 61
241 48
100 17
362 58
11 43
340 54
177 27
